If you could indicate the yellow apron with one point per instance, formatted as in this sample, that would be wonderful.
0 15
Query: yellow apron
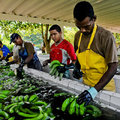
93 65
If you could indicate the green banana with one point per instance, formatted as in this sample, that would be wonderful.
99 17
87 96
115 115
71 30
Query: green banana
26 115
40 103
11 110
9 106
4 92
2 96
20 98
65 104
33 98
11 118
16 99
45 115
26 97
77 109
56 74
29 111
82 109
11 73
22 109
61 75
39 117
72 107
93 110
53 69
0 105
3 113
54 62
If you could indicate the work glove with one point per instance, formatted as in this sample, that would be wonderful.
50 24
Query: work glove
7 57
45 63
87 96
22 64
62 68
77 73
20 69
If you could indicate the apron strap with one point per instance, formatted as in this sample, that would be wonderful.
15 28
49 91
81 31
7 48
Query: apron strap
92 36
91 39
79 43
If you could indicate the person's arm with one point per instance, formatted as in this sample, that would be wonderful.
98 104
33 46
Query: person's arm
88 95
30 50
112 68
29 58
46 62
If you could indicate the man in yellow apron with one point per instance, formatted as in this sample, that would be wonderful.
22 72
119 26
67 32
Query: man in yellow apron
96 53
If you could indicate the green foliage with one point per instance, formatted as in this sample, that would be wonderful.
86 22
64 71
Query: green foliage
117 37
28 31
69 33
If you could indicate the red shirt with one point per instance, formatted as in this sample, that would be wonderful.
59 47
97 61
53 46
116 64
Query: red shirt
64 52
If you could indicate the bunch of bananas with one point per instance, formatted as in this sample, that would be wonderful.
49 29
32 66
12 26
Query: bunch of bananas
4 94
54 72
70 104
28 107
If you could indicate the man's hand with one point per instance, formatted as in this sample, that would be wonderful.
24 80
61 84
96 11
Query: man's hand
21 65
84 97
77 73
7 57
87 96
63 68
20 68
45 63
19 72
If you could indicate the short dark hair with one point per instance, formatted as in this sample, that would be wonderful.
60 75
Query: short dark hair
0 42
13 36
55 27
83 9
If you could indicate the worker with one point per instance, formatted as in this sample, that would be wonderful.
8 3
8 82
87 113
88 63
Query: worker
26 53
96 53
4 51
61 50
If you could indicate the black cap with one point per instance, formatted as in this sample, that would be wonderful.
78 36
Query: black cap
13 36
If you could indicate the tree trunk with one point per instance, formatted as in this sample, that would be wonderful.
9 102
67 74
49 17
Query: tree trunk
45 38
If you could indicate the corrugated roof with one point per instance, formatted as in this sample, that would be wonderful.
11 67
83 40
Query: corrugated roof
59 11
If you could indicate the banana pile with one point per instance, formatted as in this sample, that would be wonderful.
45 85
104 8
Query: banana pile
72 107
4 94
54 72
28 107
